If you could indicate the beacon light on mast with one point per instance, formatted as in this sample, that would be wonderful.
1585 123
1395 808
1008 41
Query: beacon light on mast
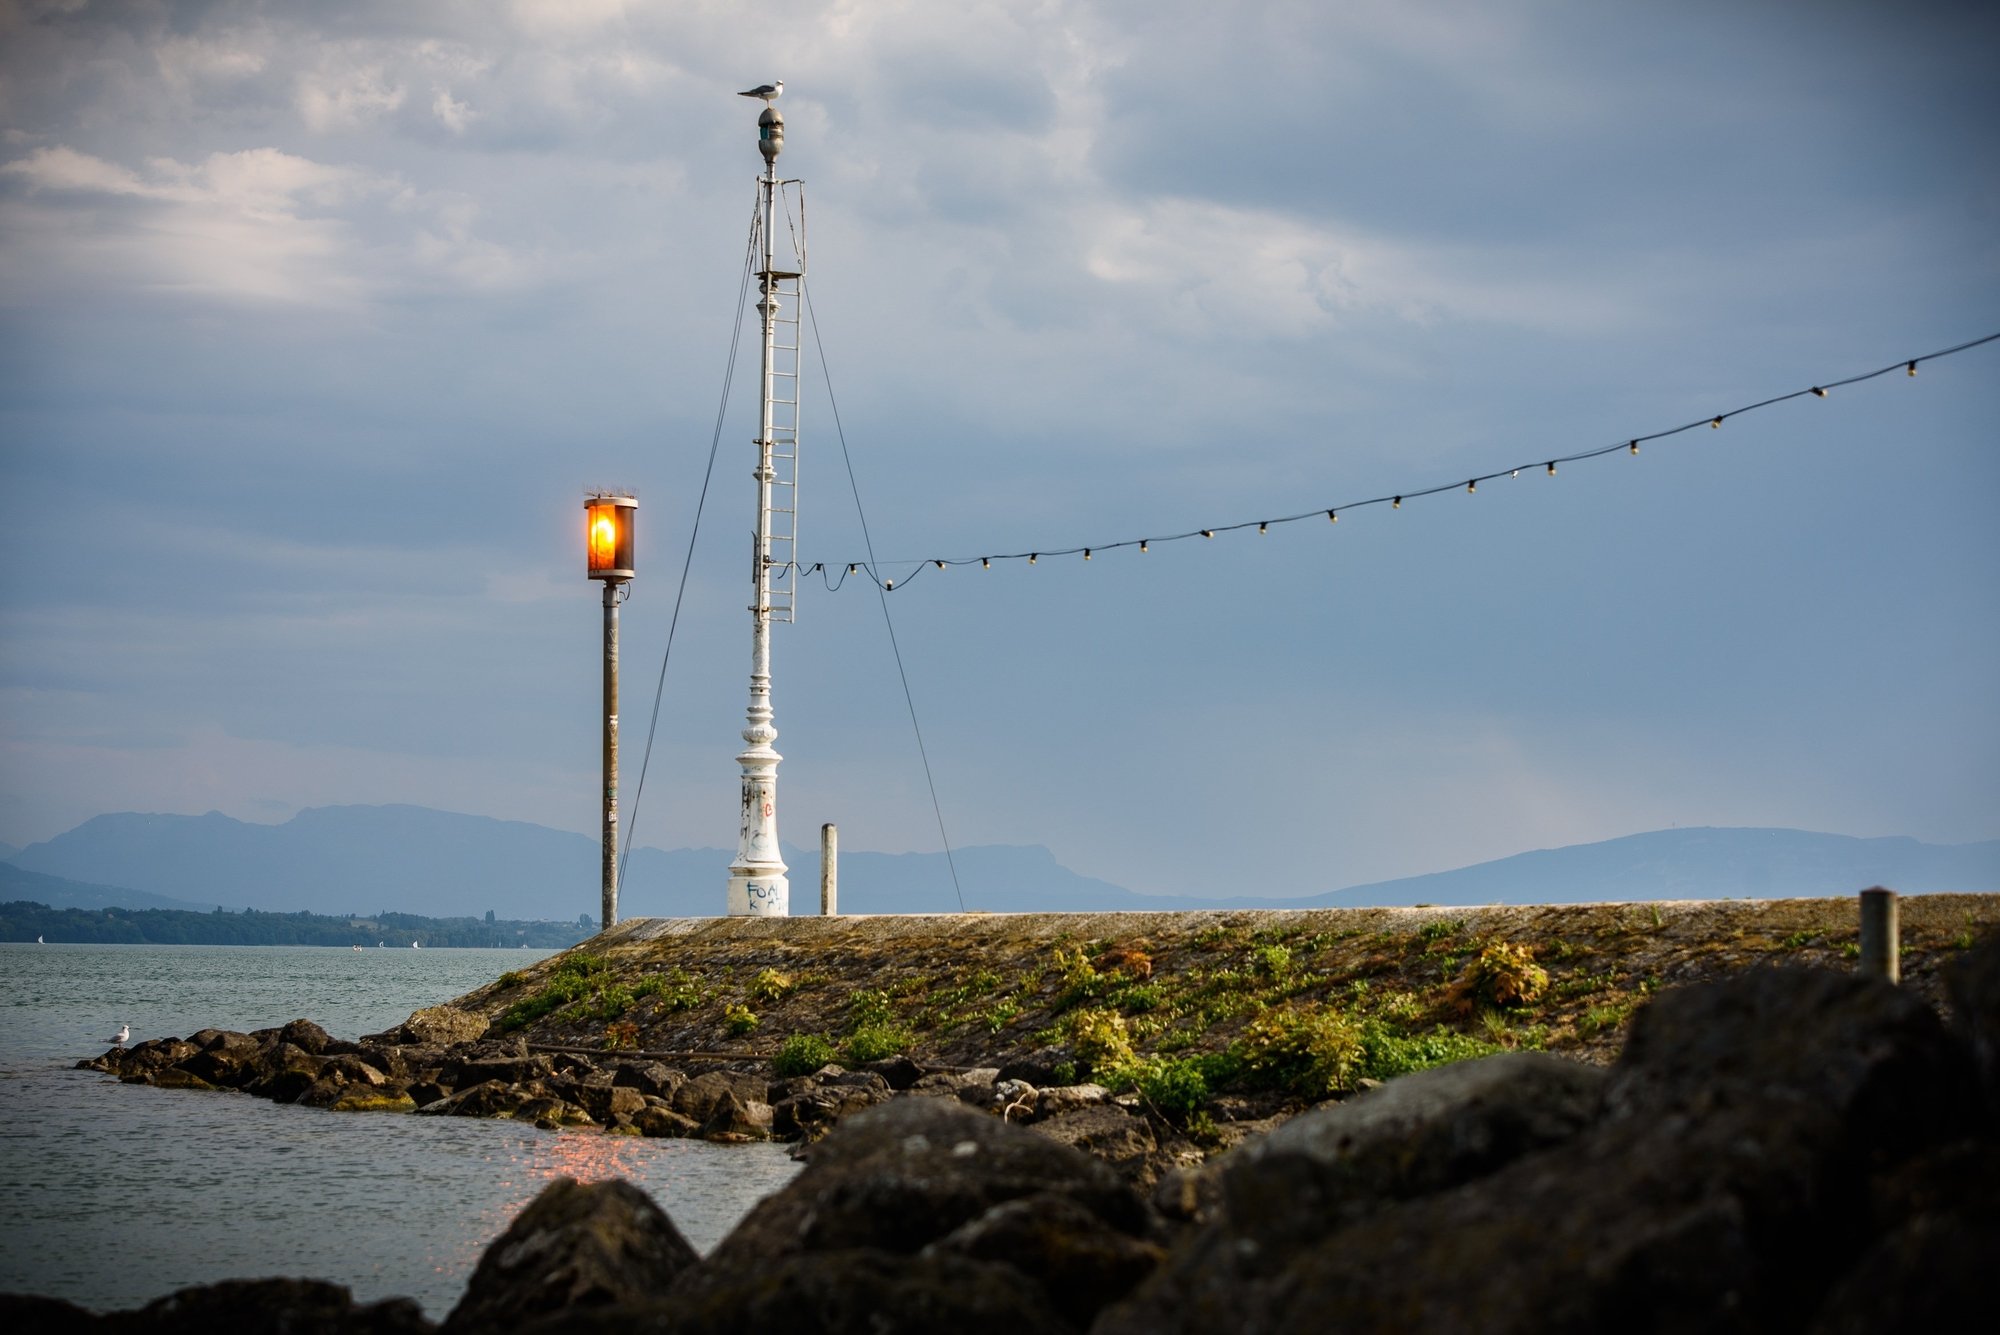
607 556
607 535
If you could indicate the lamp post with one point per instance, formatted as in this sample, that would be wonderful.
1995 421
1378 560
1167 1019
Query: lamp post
758 886
607 545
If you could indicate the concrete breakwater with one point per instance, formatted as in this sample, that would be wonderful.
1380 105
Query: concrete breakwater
1774 1149
1150 1040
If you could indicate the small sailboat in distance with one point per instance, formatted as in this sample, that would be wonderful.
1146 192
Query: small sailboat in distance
415 945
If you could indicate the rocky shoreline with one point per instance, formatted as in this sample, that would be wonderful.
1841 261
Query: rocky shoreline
441 1063
1783 1149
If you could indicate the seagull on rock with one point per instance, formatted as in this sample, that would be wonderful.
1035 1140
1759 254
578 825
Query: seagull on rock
124 1032
767 91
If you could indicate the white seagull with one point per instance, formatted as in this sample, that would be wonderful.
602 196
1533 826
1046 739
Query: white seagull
767 91
124 1032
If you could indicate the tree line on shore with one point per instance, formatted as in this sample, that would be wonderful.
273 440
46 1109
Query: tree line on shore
25 920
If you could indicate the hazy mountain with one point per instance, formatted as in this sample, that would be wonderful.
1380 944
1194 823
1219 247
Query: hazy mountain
415 860
7 850
408 859
1702 863
59 893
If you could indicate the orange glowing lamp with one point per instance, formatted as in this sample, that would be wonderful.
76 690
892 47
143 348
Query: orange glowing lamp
607 535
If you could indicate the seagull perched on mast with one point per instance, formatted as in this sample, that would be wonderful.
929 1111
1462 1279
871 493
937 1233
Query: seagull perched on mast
767 91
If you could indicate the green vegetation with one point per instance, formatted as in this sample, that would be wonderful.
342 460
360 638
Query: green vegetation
872 1029
675 990
771 985
738 1019
581 986
24 921
802 1054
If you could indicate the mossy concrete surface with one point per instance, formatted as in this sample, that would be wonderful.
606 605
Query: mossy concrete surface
982 989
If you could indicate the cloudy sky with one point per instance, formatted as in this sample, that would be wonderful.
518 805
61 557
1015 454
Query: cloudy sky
319 319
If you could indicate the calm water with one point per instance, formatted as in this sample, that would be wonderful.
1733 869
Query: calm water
115 1194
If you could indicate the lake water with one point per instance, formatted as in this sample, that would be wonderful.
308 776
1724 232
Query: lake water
116 1194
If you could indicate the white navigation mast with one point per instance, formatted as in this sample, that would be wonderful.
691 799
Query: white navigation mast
757 884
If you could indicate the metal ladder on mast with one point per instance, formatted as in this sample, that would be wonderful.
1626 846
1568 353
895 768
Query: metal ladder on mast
783 523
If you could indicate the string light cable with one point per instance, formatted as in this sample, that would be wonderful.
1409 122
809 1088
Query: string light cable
687 559
883 588
834 574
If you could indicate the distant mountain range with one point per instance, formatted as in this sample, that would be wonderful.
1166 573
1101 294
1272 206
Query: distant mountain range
368 859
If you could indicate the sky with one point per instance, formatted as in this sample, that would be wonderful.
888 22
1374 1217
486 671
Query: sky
320 319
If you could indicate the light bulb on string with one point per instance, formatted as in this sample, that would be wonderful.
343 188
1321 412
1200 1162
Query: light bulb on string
1633 446
938 564
1333 516
1552 468
985 563
888 586
1515 473
1715 423
1396 504
1142 545
1913 368
1208 533
850 570
1264 527
1032 556
1818 393
1472 487
1086 553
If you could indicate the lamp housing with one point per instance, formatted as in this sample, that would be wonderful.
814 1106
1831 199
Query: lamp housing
608 535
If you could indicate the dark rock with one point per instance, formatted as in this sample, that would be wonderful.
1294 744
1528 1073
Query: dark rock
697 1098
898 1072
142 1058
443 1027
574 1247
226 1059
270 1307
1043 1068
490 1098
609 1103
28 1314
1936 1222
1081 1262
658 1118
426 1089
938 1085
1972 986
907 1173
550 1113
849 1292
1871 1055
284 1072
1721 1190
816 1107
1412 1136
1068 1098
731 1119
337 1076
305 1034
648 1077
1107 1132
168 1077
477 1067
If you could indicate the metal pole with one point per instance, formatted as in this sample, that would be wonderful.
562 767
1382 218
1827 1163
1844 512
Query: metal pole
1881 944
757 884
610 906
829 871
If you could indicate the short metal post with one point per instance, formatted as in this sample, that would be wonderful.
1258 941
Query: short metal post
1880 939
829 870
